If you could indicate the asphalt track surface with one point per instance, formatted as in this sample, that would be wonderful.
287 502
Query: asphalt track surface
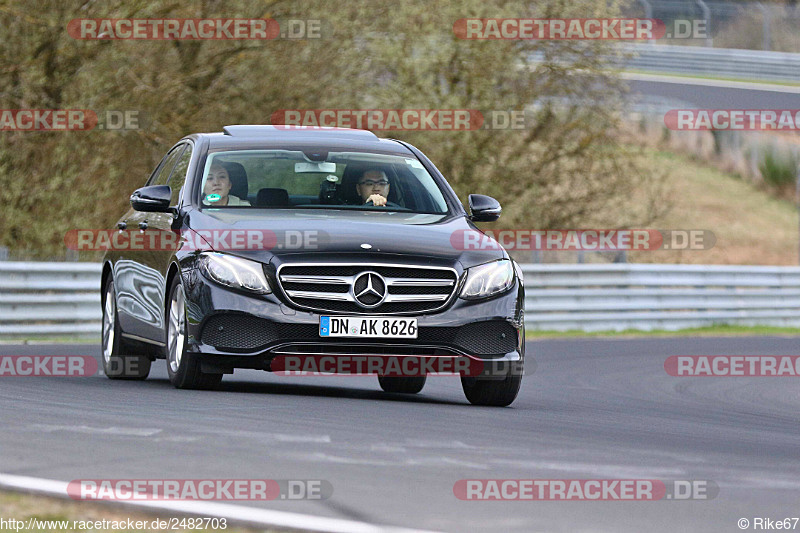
594 408
689 95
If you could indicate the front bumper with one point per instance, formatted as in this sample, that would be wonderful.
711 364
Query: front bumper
232 329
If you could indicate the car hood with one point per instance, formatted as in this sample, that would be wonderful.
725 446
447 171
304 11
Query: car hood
300 235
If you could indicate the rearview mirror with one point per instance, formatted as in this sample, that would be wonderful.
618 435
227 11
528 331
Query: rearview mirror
483 208
153 199
315 166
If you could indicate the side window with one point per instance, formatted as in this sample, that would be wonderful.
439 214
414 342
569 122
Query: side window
161 175
178 177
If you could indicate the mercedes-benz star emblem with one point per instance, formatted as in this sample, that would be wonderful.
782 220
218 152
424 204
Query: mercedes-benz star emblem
369 289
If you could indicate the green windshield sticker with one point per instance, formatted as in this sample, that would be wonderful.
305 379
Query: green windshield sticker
213 198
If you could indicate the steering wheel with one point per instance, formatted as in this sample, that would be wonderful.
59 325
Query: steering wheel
388 204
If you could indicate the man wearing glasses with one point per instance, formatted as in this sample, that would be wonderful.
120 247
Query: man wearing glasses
373 186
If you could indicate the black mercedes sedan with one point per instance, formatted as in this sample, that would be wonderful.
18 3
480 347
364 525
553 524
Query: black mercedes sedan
261 245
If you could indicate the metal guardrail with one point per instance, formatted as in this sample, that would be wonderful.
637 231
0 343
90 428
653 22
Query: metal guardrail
719 62
704 62
640 296
49 299
63 299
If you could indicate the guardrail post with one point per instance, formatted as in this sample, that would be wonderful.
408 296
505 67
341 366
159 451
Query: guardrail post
3 253
797 198
648 14
707 18
766 20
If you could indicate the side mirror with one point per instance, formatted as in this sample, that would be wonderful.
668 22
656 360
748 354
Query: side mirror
483 208
153 199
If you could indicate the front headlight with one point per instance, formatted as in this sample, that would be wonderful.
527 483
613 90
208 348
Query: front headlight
234 272
487 280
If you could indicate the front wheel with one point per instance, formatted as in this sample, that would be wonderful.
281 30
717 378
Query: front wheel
117 362
493 392
404 385
183 366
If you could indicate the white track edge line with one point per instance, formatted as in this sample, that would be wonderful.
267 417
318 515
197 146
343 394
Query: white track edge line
249 515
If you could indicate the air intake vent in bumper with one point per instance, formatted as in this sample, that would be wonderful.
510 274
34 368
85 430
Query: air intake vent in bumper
231 331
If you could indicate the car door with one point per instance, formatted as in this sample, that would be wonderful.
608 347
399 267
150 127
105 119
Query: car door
137 281
156 261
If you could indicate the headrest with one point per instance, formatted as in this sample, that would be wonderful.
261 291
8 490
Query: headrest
238 177
269 197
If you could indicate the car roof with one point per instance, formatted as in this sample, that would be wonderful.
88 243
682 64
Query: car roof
243 137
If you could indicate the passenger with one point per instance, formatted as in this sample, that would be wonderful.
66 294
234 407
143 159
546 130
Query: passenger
373 185
219 183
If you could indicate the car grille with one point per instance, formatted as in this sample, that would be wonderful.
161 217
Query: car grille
367 288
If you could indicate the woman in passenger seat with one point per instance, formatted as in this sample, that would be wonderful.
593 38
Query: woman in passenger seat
217 188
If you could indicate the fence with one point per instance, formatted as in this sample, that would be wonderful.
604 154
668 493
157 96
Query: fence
63 299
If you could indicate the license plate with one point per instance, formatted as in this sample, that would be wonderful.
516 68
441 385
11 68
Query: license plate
367 327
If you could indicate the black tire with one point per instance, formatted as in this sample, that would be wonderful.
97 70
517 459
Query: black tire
404 385
183 366
493 392
118 362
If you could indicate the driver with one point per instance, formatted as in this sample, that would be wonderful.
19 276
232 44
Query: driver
373 185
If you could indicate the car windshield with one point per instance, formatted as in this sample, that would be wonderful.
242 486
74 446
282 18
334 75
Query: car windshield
316 179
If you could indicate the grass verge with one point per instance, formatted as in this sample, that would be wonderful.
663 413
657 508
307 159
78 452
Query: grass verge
751 226
709 331
715 78
58 512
